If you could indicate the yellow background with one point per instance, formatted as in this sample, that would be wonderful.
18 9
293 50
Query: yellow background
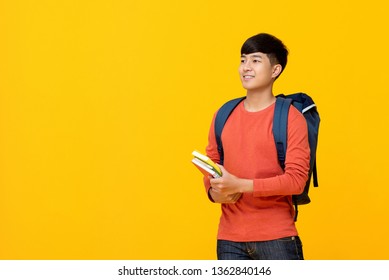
102 103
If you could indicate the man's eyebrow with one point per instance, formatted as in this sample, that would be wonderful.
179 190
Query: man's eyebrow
254 55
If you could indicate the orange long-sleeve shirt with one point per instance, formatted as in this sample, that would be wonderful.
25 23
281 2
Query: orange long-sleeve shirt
250 153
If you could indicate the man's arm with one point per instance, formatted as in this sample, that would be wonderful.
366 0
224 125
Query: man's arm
214 194
291 182
229 184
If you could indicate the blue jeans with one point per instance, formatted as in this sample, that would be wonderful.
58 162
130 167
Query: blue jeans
288 248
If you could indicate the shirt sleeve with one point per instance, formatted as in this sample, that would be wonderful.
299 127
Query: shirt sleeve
212 153
295 175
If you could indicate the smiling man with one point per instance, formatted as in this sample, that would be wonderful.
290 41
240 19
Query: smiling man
255 192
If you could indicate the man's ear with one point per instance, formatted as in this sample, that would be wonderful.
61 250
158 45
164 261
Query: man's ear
276 70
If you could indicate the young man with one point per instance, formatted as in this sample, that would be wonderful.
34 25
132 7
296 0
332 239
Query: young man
255 193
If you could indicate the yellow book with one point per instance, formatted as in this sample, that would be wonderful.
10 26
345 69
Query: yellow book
208 161
205 168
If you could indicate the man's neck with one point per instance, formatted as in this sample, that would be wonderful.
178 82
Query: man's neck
258 100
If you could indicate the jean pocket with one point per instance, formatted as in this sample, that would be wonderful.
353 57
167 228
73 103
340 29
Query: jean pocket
293 246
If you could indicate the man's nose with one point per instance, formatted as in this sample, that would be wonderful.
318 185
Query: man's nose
247 66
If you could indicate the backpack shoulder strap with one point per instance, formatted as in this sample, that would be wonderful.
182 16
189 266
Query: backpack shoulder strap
221 119
280 127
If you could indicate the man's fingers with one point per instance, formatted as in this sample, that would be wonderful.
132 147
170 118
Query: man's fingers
216 180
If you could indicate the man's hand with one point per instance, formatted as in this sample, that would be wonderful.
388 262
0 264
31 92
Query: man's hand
222 198
229 184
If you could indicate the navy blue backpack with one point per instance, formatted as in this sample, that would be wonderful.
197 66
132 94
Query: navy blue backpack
307 107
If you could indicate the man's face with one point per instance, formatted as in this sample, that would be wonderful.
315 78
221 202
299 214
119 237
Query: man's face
256 71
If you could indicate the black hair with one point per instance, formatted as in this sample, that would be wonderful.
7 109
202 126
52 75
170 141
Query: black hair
273 47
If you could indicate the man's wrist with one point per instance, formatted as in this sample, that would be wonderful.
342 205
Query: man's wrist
246 185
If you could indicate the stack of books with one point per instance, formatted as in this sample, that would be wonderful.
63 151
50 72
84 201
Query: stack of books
206 165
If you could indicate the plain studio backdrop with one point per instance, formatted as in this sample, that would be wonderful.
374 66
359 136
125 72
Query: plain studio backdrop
102 103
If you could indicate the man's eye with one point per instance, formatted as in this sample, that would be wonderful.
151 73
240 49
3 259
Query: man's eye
242 61
256 61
